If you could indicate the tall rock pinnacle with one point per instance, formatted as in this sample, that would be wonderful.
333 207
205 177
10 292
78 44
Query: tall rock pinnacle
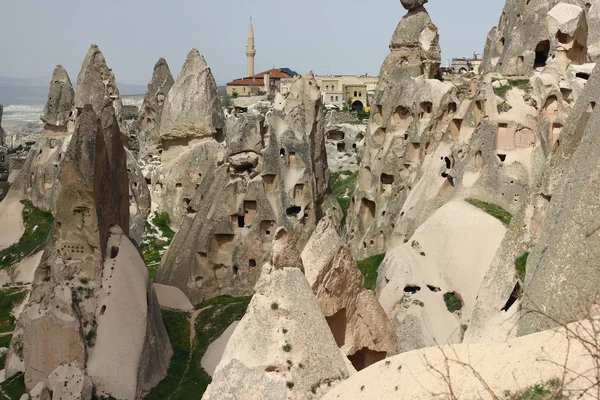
59 108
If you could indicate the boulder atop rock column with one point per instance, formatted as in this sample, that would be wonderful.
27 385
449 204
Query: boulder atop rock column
412 4
416 43
59 108
192 108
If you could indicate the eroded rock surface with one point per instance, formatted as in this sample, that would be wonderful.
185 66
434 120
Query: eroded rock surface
59 108
80 274
358 322
273 172
282 348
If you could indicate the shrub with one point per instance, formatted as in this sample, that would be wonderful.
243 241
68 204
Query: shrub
368 268
274 306
521 266
453 302
287 347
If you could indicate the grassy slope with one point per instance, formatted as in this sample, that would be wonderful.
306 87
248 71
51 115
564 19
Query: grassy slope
186 378
156 243
492 209
14 387
369 268
342 185
37 224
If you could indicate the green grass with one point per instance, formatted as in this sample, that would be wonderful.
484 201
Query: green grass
521 266
9 299
492 209
178 327
369 268
38 225
546 391
523 84
186 378
14 387
342 185
152 247
503 107
453 302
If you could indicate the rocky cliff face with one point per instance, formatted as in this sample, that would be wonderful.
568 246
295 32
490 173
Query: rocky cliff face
89 274
358 322
192 128
273 172
152 107
537 33
282 348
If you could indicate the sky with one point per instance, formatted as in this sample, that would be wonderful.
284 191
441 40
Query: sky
335 36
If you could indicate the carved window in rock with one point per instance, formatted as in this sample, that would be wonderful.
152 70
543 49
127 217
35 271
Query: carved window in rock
503 137
82 216
221 249
551 107
267 229
299 194
555 131
401 119
455 127
426 110
270 183
524 138
386 183
250 212
72 250
367 213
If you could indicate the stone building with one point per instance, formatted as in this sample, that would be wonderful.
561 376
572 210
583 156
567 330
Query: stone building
337 90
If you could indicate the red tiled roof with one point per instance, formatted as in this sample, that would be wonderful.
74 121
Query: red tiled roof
258 79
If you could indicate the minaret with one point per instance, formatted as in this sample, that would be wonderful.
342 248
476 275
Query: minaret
250 50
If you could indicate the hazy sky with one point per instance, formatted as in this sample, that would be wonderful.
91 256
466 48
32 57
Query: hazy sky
349 36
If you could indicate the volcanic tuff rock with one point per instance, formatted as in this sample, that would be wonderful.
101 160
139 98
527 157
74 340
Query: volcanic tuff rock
539 32
358 322
282 348
96 85
193 108
90 275
345 143
514 369
152 107
562 275
191 126
59 108
272 173
446 259
412 4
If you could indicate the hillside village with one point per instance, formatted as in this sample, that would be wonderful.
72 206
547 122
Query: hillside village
422 234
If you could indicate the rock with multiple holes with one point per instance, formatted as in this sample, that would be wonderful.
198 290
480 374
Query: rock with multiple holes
152 107
358 322
58 111
272 173
92 278
533 34
345 141
191 130
562 277
428 286
282 348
